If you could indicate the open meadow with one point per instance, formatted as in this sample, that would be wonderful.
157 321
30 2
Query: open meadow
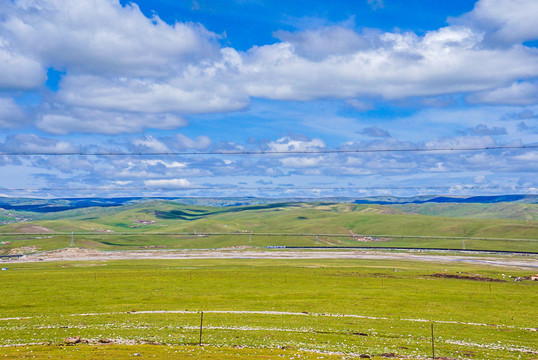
267 309
170 225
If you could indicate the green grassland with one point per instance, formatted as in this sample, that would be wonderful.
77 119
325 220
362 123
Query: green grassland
267 309
514 211
156 224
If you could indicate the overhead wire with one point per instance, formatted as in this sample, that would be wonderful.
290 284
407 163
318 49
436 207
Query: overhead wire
268 152
278 188
268 234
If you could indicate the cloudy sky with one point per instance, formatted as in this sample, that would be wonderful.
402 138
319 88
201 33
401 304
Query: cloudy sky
199 77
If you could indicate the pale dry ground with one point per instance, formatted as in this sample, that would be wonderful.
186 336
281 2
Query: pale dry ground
526 262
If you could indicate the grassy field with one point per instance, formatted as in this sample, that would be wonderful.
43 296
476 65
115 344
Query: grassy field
307 309
153 224
514 211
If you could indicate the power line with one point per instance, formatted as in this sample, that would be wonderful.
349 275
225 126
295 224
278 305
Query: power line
269 234
267 152
278 188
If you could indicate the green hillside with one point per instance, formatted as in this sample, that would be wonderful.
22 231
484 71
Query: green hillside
167 224
514 211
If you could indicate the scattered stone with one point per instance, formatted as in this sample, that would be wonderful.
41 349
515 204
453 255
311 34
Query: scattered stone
288 347
466 277
72 340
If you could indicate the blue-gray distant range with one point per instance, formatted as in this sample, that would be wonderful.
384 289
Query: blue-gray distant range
62 204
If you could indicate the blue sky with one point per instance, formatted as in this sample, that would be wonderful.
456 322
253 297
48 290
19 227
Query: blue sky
208 76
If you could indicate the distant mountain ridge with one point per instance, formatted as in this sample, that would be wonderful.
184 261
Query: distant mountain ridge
529 199
63 204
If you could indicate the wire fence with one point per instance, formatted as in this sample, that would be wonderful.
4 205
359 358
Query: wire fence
333 333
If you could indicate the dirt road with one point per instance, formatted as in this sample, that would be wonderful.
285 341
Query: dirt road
76 254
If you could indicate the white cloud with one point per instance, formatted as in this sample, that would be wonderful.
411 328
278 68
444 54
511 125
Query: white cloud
125 72
402 65
482 129
324 42
19 71
289 144
168 183
103 36
196 90
170 165
376 4
200 143
11 115
301 162
504 21
150 143
518 93
70 120
34 143
461 142
359 105
374 131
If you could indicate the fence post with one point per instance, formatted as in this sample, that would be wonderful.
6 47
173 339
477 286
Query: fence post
201 327
433 345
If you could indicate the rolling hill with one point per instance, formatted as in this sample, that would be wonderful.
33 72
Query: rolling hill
169 224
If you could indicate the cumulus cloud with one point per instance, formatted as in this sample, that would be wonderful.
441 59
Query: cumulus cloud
197 90
125 72
169 165
359 105
374 131
518 93
521 115
11 115
82 120
22 143
401 65
301 162
484 130
19 71
184 142
290 144
376 4
461 142
102 36
503 21
150 143
324 42
168 183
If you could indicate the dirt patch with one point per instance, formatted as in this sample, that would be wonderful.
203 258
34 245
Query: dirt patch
69 254
473 277
34 229
383 275
77 254
22 250
75 340
362 238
